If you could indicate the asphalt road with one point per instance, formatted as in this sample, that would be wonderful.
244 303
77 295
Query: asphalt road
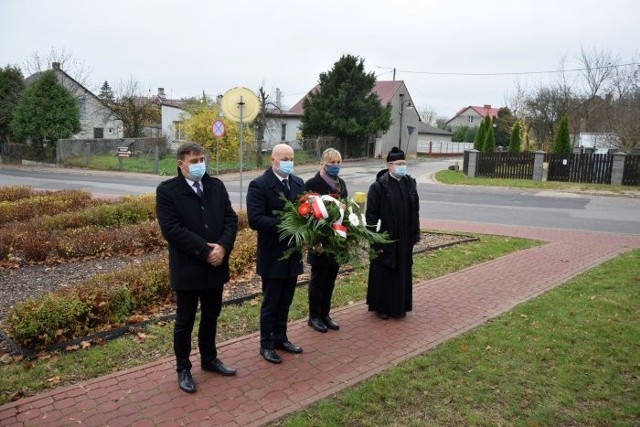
478 204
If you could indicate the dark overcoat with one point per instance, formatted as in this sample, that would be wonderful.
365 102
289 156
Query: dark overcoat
189 223
396 205
318 185
263 197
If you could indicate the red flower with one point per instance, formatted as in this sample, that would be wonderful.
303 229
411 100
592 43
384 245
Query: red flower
304 209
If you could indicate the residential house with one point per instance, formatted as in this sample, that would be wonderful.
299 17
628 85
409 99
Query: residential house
282 127
402 132
96 118
432 140
472 116
171 116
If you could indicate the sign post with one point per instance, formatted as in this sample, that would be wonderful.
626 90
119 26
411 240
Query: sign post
122 152
217 129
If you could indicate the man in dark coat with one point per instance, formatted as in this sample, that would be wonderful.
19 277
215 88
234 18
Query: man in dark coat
279 277
324 268
196 218
393 203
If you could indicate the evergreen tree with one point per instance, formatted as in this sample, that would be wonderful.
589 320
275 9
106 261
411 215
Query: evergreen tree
562 140
489 145
344 106
503 124
459 133
514 141
46 111
478 142
470 134
106 93
11 86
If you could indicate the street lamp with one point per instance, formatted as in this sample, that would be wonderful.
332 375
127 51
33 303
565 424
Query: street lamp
402 105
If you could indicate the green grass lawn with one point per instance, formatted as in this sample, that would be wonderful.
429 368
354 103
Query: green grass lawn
567 358
167 165
459 178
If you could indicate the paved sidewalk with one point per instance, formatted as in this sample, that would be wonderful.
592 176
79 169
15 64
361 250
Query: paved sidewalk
443 308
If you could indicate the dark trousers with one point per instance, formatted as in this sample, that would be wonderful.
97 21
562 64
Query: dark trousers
277 295
187 306
321 285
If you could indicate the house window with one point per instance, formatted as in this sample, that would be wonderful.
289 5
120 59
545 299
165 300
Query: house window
470 119
98 133
82 108
284 132
177 130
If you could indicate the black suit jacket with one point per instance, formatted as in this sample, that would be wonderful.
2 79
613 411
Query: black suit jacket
188 223
263 197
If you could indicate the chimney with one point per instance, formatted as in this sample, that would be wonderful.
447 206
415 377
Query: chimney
161 94
55 65
487 106
278 97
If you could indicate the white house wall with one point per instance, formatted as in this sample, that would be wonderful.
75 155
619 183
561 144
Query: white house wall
93 113
169 115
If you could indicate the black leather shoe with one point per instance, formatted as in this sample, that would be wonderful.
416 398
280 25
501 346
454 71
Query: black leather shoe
270 355
317 324
328 321
185 381
382 316
219 367
289 347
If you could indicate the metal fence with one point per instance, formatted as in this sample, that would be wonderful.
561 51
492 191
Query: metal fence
619 168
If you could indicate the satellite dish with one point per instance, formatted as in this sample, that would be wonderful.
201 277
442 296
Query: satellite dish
240 105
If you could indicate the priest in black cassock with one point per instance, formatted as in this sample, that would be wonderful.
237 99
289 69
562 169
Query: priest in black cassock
393 205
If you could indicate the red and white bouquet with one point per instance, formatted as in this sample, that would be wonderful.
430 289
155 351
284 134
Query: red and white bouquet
330 225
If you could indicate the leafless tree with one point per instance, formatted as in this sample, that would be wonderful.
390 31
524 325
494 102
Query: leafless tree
428 115
38 62
134 109
264 120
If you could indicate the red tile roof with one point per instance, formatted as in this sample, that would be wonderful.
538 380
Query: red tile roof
384 89
482 111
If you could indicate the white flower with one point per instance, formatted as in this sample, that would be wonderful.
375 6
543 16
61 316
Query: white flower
353 219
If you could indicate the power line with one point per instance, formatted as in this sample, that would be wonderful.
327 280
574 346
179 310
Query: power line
509 73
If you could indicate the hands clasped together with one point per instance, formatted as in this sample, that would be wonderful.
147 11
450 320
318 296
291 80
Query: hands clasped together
216 256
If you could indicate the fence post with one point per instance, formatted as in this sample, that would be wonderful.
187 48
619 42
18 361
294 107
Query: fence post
617 169
473 163
538 165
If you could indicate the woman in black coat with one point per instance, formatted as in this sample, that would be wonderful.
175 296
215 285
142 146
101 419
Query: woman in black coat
324 268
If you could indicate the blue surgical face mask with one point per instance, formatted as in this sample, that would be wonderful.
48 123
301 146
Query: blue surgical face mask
333 170
400 171
197 170
286 167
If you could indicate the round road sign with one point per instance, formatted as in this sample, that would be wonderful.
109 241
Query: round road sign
217 128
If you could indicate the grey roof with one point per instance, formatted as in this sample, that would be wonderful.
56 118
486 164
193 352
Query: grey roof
431 130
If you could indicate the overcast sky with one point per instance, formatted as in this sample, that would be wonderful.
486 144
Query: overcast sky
190 46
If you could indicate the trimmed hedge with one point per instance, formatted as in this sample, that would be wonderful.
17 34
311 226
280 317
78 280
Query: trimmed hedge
109 299
46 203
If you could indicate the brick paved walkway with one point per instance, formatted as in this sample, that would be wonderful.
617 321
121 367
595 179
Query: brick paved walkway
443 308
